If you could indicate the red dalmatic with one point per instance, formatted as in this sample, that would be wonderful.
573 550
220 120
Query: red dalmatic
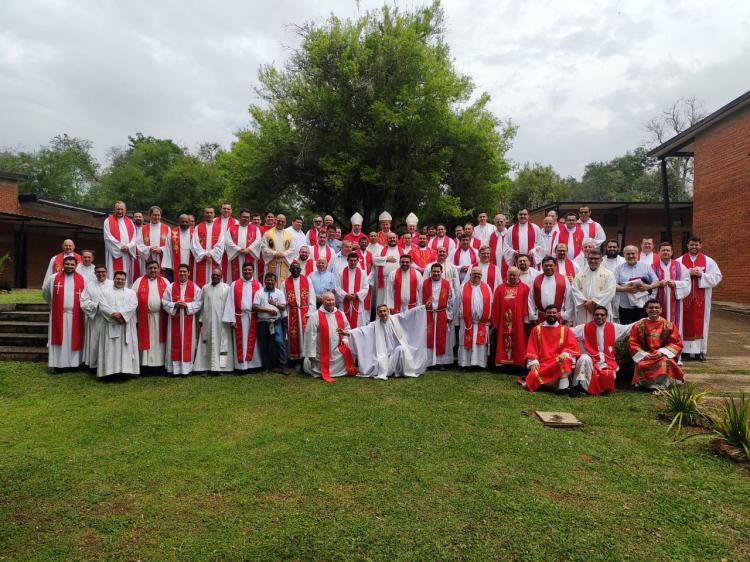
509 307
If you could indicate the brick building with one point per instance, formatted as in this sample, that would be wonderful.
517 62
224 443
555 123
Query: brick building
720 147
32 230
630 222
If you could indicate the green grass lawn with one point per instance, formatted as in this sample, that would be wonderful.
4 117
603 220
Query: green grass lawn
448 466
25 296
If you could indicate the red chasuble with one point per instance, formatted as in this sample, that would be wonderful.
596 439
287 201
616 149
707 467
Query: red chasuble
650 336
181 344
200 267
118 264
297 312
397 280
559 294
439 305
324 337
602 379
57 263
510 305
239 335
694 305
545 345
251 234
422 256
466 299
142 292
58 307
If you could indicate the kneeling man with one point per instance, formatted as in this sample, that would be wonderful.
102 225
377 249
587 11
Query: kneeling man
655 343
597 367
551 352
326 350
392 345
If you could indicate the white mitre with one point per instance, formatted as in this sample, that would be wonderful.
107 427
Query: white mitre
412 220
356 219
385 216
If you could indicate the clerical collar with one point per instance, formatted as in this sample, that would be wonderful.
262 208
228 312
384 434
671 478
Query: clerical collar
267 290
546 325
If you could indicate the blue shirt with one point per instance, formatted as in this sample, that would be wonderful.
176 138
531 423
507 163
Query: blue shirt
335 245
626 273
323 282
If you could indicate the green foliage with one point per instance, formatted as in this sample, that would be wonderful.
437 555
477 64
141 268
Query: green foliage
682 404
631 177
442 467
64 169
155 171
733 424
370 115
536 185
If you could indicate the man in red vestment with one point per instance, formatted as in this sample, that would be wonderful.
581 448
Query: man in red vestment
655 343
551 352
509 309
421 254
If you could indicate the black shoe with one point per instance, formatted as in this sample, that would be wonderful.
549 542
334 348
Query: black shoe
701 357
441 367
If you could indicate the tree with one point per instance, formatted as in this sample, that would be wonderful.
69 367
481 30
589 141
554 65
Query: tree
64 169
153 171
534 186
370 115
631 177
681 115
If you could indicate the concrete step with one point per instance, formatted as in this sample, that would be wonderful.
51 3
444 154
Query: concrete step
32 307
20 327
23 316
16 339
22 353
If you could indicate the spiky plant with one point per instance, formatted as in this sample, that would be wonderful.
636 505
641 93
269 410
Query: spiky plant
733 424
682 404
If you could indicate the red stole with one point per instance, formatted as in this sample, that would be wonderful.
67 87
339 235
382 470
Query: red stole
601 379
559 294
200 268
57 263
324 337
466 298
237 287
570 268
592 228
438 307
491 273
296 311
694 305
308 267
182 332
577 239
118 264
446 243
142 292
234 231
675 274
163 233
177 250
316 253
351 308
58 303
397 280
494 237
381 277
530 237
472 254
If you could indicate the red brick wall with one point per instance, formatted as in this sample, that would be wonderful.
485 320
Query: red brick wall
9 196
721 201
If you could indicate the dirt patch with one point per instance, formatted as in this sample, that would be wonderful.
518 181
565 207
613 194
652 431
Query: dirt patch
567 498
720 382
279 496
120 505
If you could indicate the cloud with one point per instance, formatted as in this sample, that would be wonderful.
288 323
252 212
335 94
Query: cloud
579 78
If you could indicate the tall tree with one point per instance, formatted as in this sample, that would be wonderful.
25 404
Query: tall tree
536 185
63 169
153 171
370 115
681 115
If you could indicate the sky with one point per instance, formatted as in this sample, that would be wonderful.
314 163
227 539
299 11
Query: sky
578 78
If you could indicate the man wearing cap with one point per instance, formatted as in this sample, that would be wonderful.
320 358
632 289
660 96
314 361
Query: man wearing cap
356 234
385 220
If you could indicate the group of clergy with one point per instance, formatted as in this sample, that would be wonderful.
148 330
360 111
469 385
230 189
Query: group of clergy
232 294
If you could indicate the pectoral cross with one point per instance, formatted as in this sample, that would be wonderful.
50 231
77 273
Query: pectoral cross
58 286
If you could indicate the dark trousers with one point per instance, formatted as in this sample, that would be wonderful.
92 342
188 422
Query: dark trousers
630 315
272 346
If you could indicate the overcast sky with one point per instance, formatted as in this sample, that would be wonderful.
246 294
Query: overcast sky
578 78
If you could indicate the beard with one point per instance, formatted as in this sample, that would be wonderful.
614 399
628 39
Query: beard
551 320
611 255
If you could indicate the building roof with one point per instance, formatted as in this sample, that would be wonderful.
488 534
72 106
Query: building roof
613 205
12 176
682 144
